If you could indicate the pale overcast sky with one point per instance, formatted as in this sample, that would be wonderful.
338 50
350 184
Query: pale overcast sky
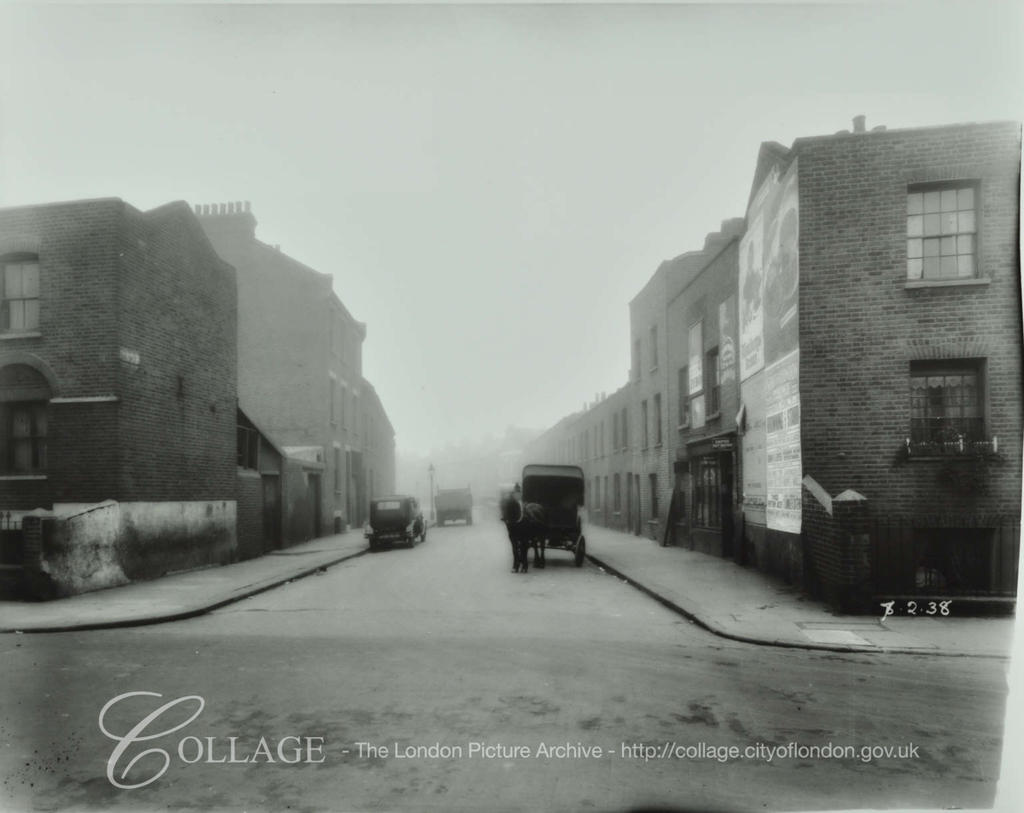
489 185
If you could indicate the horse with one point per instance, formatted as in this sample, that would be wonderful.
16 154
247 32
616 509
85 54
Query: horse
526 529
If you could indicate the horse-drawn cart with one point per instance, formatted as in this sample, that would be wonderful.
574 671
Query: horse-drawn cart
558 490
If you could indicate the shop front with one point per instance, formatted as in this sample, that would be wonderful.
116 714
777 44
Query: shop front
712 487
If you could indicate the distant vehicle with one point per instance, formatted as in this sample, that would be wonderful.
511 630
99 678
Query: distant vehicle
397 518
558 490
452 504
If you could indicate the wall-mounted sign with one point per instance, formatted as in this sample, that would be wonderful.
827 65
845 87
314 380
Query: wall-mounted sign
696 356
726 340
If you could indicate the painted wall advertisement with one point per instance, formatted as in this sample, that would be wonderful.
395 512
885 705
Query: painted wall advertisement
727 340
782 443
751 297
769 345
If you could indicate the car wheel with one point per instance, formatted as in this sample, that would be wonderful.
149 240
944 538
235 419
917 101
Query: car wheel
581 551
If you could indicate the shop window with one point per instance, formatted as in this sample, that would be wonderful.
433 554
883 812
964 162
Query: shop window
707 511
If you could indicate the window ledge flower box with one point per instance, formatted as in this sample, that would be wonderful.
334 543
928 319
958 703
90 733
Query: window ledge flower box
958 447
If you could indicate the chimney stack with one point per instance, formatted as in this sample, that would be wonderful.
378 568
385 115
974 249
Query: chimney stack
859 123
227 223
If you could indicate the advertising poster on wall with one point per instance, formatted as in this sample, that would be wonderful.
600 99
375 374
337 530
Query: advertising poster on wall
781 268
727 340
751 296
782 443
754 464
770 274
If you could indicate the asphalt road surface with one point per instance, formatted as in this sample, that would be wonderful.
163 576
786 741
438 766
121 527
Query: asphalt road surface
435 679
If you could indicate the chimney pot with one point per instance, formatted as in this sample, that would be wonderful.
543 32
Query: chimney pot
859 124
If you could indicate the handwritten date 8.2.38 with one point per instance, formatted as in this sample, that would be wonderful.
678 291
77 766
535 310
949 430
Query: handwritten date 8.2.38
910 607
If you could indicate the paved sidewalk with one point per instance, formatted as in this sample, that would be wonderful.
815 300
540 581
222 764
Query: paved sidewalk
729 600
744 604
179 596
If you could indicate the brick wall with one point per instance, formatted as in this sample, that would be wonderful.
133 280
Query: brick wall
861 325
296 336
113 279
75 348
700 300
178 402
650 377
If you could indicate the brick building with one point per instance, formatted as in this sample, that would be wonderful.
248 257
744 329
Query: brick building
117 393
840 372
703 399
300 379
889 273
626 443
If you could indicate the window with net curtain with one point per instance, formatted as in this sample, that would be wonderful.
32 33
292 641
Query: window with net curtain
946 402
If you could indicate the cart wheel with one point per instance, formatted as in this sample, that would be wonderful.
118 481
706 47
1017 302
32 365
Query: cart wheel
581 551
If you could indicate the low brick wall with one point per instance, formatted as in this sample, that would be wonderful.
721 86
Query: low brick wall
837 547
94 547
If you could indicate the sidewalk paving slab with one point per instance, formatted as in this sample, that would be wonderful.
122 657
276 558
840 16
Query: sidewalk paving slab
181 595
746 605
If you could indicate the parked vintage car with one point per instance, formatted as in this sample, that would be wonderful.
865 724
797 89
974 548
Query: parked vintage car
397 518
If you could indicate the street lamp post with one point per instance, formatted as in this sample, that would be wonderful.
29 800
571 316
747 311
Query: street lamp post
433 515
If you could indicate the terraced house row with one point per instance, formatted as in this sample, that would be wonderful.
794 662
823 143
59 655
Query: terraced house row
174 393
830 388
